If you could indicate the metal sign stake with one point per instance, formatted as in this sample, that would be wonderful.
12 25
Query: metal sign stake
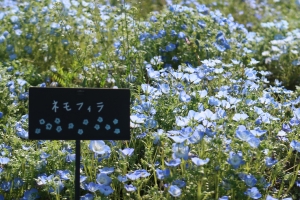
77 171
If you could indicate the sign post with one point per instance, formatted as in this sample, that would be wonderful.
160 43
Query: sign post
79 114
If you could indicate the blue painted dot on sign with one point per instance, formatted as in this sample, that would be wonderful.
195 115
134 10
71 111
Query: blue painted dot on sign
80 131
37 131
42 121
97 127
117 131
100 119
48 126
85 122
107 127
58 129
115 121
57 120
70 126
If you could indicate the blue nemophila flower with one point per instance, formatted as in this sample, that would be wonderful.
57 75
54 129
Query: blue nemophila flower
162 174
173 163
153 18
103 179
235 159
170 47
4 160
178 138
147 89
184 97
224 198
253 193
82 178
243 134
240 116
180 151
70 158
295 145
150 123
122 179
107 170
270 161
221 43
213 101
196 137
271 198
153 74
179 183
63 174
43 179
201 23
144 36
126 152
199 162
137 174
1 115
165 88
5 186
181 35
286 128
18 182
297 113
92 187
105 190
130 78
258 132
31 194
250 180
129 188
44 155
99 147
174 190
173 33
58 187
161 33
87 196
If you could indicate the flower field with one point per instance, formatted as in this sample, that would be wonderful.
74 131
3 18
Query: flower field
215 98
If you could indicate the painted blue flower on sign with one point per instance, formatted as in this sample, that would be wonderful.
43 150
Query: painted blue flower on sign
115 121
58 129
100 119
97 127
107 127
48 126
37 131
85 122
42 121
117 131
80 131
70 126
57 120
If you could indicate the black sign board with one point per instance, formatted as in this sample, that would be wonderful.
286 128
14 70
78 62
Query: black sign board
79 114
